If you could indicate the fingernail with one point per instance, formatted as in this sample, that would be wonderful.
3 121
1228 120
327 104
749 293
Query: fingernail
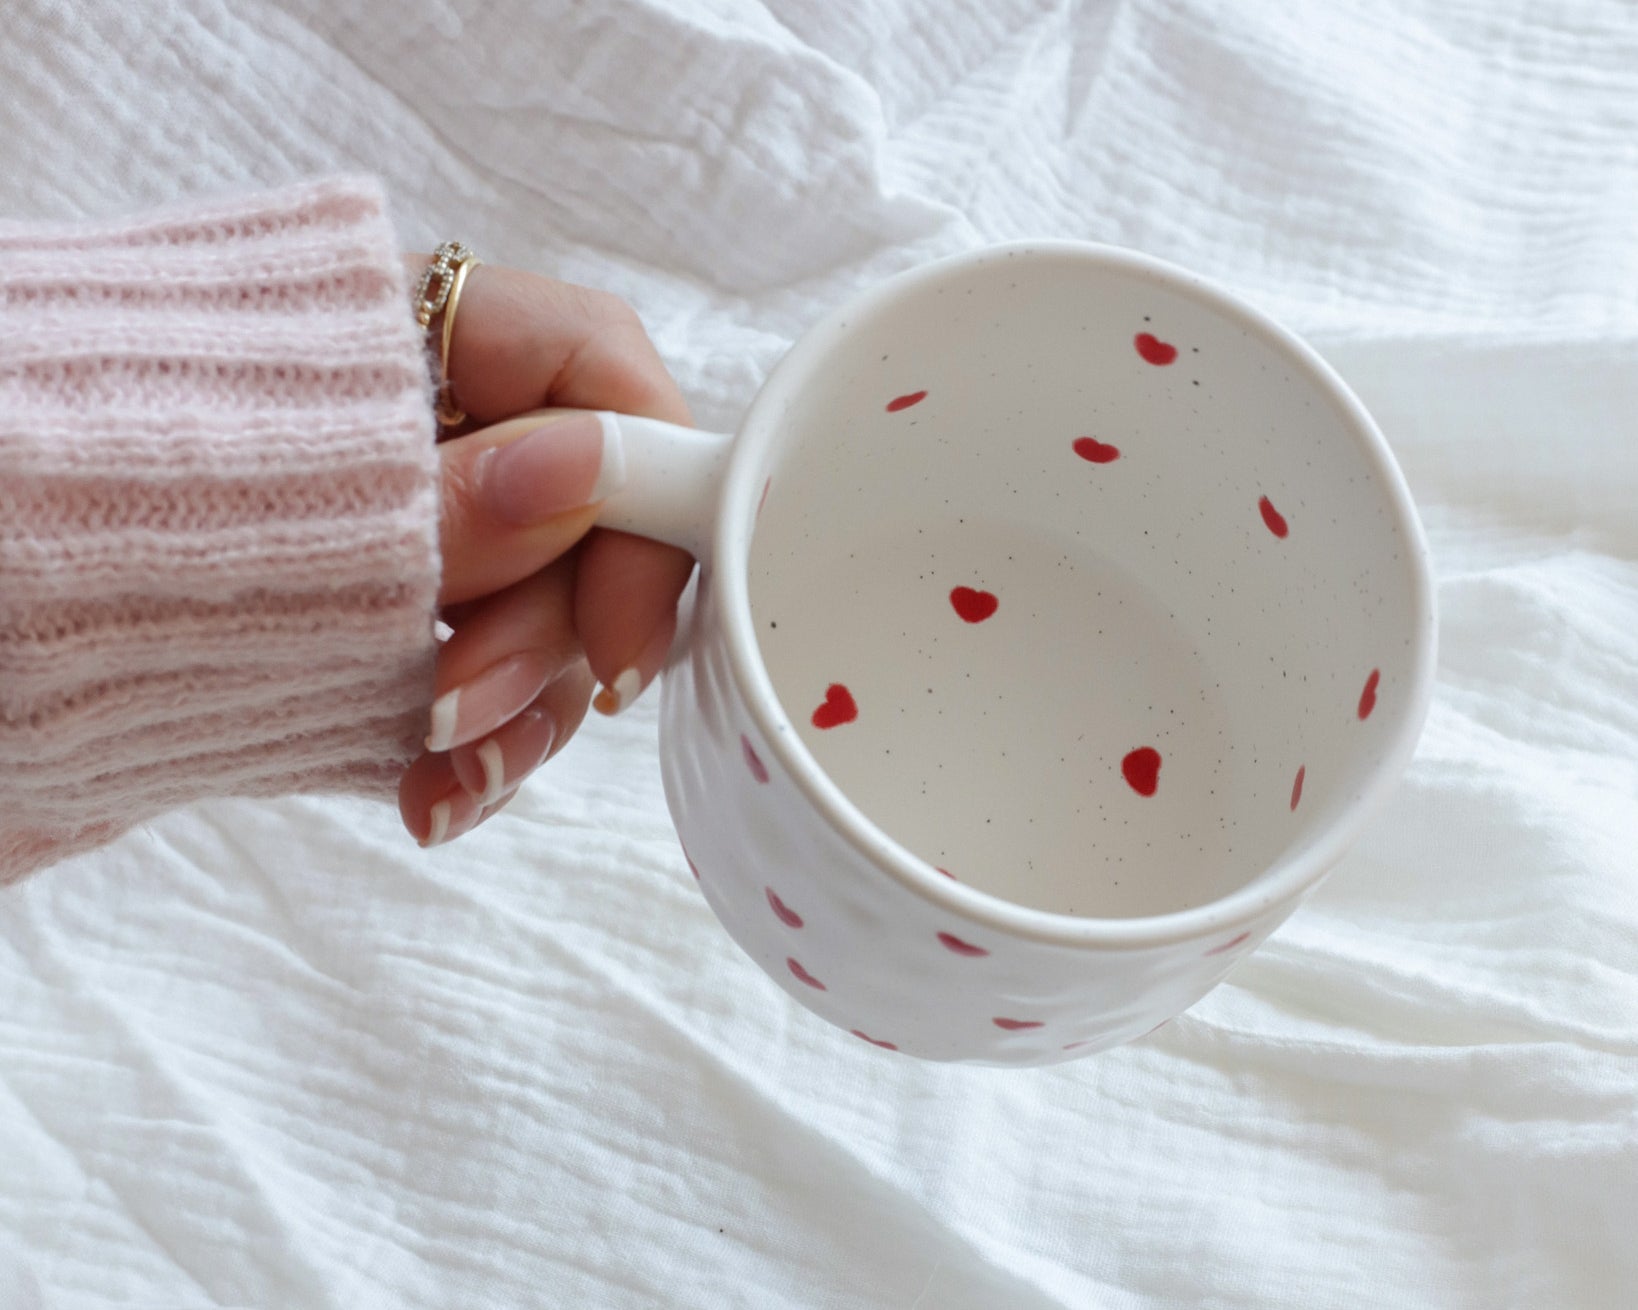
620 693
559 466
494 771
481 704
449 818
500 763
629 682
491 811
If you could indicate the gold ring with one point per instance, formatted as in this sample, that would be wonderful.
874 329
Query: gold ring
438 295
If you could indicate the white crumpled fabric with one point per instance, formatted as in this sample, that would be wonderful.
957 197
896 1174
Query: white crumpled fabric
273 1055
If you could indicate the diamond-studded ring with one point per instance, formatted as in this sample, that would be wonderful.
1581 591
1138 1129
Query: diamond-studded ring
437 296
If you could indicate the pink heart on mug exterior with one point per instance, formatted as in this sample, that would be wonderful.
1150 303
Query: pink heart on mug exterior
803 976
787 916
953 943
753 761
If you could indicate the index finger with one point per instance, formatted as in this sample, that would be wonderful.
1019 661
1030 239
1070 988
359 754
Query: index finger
523 341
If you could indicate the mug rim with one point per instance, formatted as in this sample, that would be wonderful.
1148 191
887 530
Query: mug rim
1297 870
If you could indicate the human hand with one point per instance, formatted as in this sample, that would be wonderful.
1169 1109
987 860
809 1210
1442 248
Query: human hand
538 613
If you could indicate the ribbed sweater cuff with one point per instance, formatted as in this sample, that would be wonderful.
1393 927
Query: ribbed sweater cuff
218 513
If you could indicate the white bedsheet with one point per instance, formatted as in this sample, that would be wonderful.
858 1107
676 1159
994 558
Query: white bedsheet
272 1055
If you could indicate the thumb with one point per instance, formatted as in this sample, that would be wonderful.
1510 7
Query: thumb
515 496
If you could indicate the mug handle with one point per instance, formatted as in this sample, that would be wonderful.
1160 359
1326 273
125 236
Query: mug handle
669 476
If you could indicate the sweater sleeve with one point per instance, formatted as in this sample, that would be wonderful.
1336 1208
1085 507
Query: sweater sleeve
218 514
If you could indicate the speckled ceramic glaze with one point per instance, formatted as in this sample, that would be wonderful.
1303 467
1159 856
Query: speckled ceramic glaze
1061 621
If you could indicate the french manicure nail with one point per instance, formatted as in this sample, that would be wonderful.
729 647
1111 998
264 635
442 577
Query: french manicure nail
481 704
499 763
450 817
561 465
490 811
438 819
619 693
628 684
494 772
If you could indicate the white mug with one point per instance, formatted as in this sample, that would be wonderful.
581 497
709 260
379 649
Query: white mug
1061 620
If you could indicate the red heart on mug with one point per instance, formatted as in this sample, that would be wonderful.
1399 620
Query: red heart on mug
839 708
1153 349
753 761
787 916
1017 1025
1141 769
904 402
1230 944
954 943
1272 517
802 975
1096 452
973 606
1367 698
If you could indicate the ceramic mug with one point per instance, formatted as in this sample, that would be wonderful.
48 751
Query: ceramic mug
1061 619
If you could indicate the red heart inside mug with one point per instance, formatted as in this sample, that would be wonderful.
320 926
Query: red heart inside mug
1082 670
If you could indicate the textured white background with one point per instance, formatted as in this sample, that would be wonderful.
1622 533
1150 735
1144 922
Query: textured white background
273 1055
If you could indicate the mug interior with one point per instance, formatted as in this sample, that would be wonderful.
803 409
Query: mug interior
1087 587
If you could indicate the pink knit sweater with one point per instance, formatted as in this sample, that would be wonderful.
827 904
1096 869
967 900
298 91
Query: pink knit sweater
218 513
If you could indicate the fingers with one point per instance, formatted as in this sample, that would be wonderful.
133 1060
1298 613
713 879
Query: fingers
493 768
628 586
522 341
516 496
443 795
626 606
503 653
511 689
626 610
432 803
617 367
